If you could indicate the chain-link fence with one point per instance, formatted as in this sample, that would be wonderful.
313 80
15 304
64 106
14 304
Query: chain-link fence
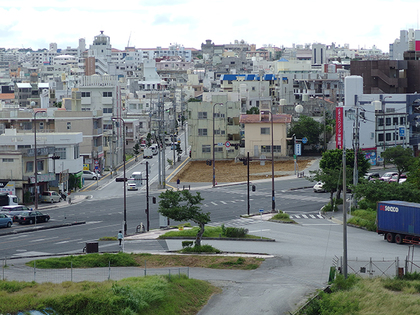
20 272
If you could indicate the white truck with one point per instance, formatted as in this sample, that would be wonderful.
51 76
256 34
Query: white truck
148 153
8 200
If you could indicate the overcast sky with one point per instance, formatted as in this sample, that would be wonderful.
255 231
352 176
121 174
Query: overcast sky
152 23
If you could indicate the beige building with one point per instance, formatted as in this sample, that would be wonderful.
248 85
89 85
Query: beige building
218 113
258 130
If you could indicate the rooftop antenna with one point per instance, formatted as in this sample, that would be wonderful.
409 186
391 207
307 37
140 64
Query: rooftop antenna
129 37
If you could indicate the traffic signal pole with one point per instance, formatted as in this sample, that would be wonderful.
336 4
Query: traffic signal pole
147 196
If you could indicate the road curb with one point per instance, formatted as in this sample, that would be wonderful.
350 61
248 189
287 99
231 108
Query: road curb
39 228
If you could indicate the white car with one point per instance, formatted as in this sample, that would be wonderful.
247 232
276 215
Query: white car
132 186
318 187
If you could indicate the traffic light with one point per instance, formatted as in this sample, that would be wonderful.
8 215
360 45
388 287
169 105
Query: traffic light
245 161
55 157
208 162
154 199
254 188
121 179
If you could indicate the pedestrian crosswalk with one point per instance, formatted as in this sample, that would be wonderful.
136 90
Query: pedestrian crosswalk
306 216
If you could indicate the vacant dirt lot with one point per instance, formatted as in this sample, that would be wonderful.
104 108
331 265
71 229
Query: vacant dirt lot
229 171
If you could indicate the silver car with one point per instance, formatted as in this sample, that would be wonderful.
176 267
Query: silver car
50 196
90 175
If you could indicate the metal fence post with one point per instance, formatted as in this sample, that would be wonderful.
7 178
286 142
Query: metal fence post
109 270
397 264
145 267
35 271
71 271
188 272
370 267
4 266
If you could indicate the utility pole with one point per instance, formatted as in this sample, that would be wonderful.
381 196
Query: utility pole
247 172
162 141
147 196
344 216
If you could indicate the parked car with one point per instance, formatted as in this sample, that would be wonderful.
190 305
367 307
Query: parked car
394 178
318 187
372 176
13 210
387 176
50 196
90 175
5 221
29 217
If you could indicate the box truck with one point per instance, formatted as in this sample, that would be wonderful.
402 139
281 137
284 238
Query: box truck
399 221
8 200
148 153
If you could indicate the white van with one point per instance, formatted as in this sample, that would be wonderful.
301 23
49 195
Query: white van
137 177
154 148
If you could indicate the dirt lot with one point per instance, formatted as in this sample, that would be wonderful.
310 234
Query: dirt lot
229 171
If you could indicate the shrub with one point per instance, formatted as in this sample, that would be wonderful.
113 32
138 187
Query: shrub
200 249
328 207
235 232
187 244
281 216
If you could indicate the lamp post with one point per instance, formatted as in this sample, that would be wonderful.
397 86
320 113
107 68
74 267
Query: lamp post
125 178
35 161
214 168
273 198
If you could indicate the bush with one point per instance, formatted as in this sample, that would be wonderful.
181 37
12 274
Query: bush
235 232
187 244
281 216
328 208
200 249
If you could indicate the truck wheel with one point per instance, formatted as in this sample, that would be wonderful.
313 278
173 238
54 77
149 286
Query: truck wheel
398 239
390 237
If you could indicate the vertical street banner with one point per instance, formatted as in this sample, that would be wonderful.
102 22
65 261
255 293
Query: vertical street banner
339 129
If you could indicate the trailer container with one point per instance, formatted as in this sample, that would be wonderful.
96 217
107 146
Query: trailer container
399 221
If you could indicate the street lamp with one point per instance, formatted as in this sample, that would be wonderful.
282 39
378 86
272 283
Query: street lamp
273 198
125 178
214 168
35 161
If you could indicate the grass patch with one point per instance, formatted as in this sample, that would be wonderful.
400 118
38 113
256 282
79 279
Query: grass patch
211 231
151 261
368 296
108 238
281 216
364 218
148 295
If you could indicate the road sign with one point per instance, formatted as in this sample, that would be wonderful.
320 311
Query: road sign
402 131
220 144
261 210
227 144
304 140
298 147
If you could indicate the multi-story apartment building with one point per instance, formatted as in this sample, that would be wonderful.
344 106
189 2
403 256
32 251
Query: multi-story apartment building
17 155
216 117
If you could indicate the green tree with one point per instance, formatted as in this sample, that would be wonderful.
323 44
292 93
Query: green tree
183 206
414 173
331 169
253 110
136 149
149 140
401 157
307 127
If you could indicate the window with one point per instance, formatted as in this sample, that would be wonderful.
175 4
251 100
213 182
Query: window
202 115
68 125
395 121
380 122
107 110
76 152
41 125
24 146
380 137
220 132
219 115
29 166
388 137
277 148
388 121
107 94
402 120
205 148
202 132
8 160
265 130
266 149
61 152
85 94
40 166
218 149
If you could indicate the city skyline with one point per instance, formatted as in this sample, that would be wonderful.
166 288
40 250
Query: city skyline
153 23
